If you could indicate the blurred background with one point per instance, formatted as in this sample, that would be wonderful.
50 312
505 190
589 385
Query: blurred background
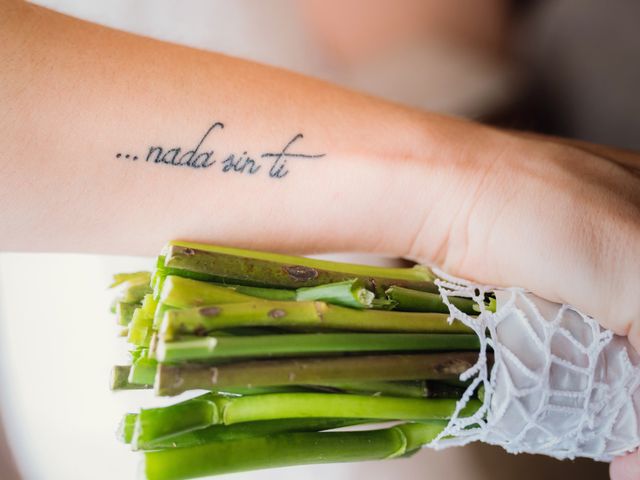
562 67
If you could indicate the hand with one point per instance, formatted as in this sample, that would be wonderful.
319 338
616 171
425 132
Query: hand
558 219
563 221
626 468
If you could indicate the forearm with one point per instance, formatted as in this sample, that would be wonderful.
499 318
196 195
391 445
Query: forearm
81 98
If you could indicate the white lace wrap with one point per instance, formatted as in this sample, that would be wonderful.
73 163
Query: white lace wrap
560 385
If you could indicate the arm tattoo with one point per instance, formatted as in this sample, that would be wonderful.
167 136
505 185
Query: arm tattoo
273 164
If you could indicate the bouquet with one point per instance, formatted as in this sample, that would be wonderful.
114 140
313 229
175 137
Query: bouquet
289 360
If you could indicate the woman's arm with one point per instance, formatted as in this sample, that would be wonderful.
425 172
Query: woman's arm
232 152
93 120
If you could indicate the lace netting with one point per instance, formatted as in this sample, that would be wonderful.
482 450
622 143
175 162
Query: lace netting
560 384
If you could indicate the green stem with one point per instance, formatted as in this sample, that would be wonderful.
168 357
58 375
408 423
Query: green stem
120 379
350 293
412 389
218 433
182 292
335 405
124 312
419 434
261 269
140 328
154 424
172 380
210 348
302 315
133 286
158 315
143 371
264 293
444 390
126 427
287 449
416 301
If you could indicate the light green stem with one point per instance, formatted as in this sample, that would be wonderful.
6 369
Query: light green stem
350 293
287 449
302 315
334 405
261 269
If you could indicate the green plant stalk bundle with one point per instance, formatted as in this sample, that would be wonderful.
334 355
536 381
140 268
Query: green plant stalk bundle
289 349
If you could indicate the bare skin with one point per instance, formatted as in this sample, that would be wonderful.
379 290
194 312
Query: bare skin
557 217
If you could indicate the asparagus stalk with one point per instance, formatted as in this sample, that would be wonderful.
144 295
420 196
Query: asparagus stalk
124 312
413 389
260 269
302 315
210 348
153 424
172 380
350 293
444 390
143 370
217 433
264 293
126 427
120 379
182 292
133 286
335 405
281 450
416 301
186 422
158 315
140 328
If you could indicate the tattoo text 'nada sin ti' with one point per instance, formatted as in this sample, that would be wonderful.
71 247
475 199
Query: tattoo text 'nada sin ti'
273 164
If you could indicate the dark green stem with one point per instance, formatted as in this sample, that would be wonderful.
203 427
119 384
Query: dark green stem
412 389
416 301
172 380
306 344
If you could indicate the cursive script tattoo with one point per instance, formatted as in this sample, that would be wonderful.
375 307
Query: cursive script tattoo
201 156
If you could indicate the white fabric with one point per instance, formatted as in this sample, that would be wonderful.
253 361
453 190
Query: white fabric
560 384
